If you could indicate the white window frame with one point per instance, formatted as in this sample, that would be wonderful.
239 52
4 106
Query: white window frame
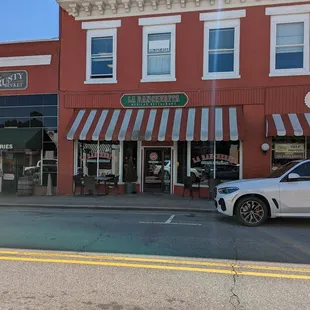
99 33
286 19
208 25
153 30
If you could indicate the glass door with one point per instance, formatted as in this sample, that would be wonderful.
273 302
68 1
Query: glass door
157 170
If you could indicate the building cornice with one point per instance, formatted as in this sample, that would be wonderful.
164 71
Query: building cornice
104 9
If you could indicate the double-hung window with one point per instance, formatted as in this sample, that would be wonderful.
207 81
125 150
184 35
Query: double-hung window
159 52
101 52
221 44
289 42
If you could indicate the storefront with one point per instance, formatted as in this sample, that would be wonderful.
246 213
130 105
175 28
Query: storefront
290 135
28 140
166 141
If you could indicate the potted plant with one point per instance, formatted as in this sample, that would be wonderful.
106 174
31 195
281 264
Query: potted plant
131 177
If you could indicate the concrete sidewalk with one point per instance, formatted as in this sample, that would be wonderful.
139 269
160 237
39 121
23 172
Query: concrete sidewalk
160 202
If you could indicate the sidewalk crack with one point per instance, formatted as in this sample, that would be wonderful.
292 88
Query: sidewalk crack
234 298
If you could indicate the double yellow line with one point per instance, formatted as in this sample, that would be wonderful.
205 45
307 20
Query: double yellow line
270 271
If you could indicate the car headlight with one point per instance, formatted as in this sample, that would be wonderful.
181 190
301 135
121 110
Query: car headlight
227 190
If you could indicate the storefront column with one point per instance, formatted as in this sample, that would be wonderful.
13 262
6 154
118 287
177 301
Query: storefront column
98 150
139 164
75 157
120 161
188 163
240 160
214 160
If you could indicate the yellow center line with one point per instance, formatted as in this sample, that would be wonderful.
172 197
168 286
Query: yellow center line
161 261
158 267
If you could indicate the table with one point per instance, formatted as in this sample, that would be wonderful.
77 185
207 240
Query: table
104 179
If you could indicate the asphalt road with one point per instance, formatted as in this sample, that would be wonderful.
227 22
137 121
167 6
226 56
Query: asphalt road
180 261
208 235
51 281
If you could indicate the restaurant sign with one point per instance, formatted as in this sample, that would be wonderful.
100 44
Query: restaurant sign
289 151
219 157
13 80
154 100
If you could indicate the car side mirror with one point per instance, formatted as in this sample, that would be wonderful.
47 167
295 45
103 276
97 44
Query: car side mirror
293 177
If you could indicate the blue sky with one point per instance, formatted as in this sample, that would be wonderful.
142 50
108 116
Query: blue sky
28 20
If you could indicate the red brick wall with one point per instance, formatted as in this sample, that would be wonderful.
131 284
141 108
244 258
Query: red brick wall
41 79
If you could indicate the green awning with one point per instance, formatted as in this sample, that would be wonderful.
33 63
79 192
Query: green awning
21 138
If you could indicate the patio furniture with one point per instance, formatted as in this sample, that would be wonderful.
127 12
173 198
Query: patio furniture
90 185
105 180
78 181
188 185
113 183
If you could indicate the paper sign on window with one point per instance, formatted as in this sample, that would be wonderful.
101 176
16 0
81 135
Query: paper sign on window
160 46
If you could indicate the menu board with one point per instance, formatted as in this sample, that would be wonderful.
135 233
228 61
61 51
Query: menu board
289 151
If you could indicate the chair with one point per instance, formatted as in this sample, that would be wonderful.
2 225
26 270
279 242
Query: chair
90 185
78 182
188 185
114 184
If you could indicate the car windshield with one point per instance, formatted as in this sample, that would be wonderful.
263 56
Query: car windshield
283 169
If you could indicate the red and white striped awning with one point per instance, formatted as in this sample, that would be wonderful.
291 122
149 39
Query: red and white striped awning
186 124
288 125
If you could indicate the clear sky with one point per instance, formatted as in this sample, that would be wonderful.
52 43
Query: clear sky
28 20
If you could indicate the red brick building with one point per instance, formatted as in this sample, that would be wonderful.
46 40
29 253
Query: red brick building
29 73
184 89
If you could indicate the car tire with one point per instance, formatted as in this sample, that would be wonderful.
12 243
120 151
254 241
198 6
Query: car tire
251 211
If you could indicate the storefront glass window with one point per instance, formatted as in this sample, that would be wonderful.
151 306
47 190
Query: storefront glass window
227 161
211 160
98 159
181 161
287 149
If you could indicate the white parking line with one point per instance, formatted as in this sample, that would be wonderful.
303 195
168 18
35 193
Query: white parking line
170 219
165 223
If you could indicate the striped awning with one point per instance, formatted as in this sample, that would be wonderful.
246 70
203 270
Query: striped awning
288 125
186 124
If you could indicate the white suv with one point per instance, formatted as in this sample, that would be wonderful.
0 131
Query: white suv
285 193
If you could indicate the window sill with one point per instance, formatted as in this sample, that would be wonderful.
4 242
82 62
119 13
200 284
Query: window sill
101 81
288 73
221 77
158 79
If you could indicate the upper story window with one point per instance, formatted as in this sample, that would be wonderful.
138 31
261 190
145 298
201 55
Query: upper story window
289 41
159 53
102 58
221 44
101 53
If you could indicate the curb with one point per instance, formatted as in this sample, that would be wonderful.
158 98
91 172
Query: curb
123 208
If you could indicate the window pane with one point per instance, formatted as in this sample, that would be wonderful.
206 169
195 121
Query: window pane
287 149
202 166
108 157
159 43
221 38
292 33
102 46
289 57
303 170
159 65
102 67
221 61
227 161
50 122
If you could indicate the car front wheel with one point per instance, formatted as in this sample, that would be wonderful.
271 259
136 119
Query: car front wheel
251 211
